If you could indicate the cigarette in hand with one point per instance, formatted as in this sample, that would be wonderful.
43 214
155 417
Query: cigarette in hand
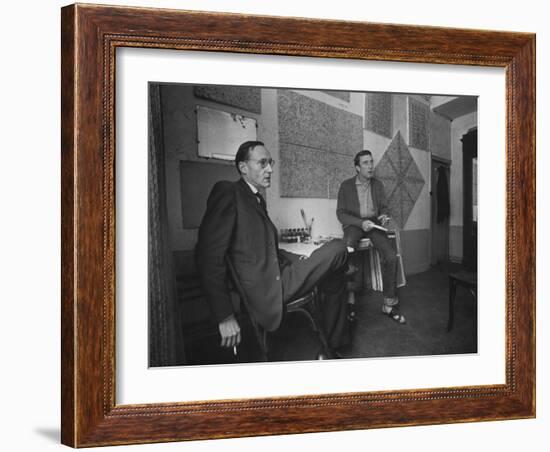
235 350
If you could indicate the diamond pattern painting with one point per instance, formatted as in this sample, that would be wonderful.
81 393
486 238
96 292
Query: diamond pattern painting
402 179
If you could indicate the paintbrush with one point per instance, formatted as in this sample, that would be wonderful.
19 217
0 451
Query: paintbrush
304 217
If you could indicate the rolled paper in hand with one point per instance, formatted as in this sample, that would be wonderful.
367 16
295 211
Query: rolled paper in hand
379 227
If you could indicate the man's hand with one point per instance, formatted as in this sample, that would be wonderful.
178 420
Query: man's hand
230 332
384 219
367 225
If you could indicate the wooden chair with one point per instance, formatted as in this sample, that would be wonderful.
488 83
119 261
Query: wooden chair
307 305
369 270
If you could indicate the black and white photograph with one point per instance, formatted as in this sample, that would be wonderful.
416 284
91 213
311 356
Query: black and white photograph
299 224
194 262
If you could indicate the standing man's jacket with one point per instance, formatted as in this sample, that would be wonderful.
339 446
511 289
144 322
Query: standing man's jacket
236 226
347 208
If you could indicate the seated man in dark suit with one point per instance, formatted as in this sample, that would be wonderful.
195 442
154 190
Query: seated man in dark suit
236 225
361 206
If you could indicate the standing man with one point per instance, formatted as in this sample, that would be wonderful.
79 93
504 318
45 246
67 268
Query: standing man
236 225
361 206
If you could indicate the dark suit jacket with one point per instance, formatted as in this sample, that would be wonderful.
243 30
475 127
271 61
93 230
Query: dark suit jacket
347 208
235 225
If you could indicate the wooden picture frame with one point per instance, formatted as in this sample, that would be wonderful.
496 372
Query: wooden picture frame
90 36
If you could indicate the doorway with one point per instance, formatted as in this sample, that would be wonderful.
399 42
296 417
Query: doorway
440 210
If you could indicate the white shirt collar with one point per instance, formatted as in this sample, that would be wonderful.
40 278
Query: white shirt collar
364 184
254 189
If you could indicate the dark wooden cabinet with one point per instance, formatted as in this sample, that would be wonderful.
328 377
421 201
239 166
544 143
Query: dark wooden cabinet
469 241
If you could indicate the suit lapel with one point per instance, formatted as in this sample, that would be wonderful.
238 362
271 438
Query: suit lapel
251 198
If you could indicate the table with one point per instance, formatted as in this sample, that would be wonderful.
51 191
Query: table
304 248
468 280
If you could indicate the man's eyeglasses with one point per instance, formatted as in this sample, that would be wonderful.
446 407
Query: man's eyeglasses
264 162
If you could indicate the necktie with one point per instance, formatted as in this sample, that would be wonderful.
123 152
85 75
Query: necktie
264 208
262 201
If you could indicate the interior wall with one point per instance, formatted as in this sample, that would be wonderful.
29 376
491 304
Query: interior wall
180 135
180 142
440 136
415 237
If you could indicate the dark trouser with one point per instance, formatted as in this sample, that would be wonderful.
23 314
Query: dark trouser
386 249
324 269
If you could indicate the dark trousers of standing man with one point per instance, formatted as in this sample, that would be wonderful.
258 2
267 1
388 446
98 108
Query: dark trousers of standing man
386 249
325 269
